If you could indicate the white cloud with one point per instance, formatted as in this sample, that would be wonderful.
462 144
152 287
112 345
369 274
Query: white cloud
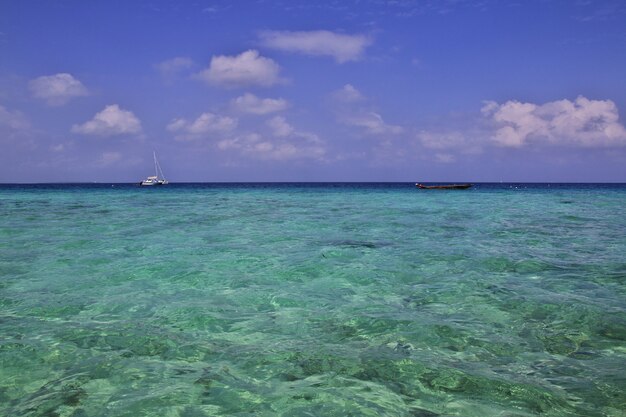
256 146
353 111
348 94
110 121
247 68
205 124
214 9
280 127
373 123
319 42
174 66
285 143
14 120
583 122
513 124
57 89
249 103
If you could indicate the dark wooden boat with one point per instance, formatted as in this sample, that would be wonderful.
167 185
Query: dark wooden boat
444 187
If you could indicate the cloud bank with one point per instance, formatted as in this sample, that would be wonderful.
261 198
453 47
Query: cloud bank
280 127
348 94
283 143
205 124
57 89
353 112
582 122
373 123
109 122
249 103
245 69
341 47
14 120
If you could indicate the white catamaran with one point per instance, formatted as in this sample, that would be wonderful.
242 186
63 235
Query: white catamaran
155 179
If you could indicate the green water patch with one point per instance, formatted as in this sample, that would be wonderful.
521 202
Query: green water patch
349 243
57 309
613 327
195 319
131 339
53 398
419 381
330 301
501 264
359 328
10 271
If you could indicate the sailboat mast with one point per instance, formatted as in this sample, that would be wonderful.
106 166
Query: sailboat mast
160 170
157 167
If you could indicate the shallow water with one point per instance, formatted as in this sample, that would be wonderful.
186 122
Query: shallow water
312 299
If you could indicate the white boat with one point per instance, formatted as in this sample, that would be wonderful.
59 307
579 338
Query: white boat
155 179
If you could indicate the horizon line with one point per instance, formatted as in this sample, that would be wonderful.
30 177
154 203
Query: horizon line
314 182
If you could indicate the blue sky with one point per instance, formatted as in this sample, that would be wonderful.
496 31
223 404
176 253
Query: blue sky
354 90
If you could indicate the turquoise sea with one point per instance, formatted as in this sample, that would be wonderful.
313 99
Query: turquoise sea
197 300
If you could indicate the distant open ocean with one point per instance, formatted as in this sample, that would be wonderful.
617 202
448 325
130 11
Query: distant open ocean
345 299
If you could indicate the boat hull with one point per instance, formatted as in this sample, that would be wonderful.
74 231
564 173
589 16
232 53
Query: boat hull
154 179
153 183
